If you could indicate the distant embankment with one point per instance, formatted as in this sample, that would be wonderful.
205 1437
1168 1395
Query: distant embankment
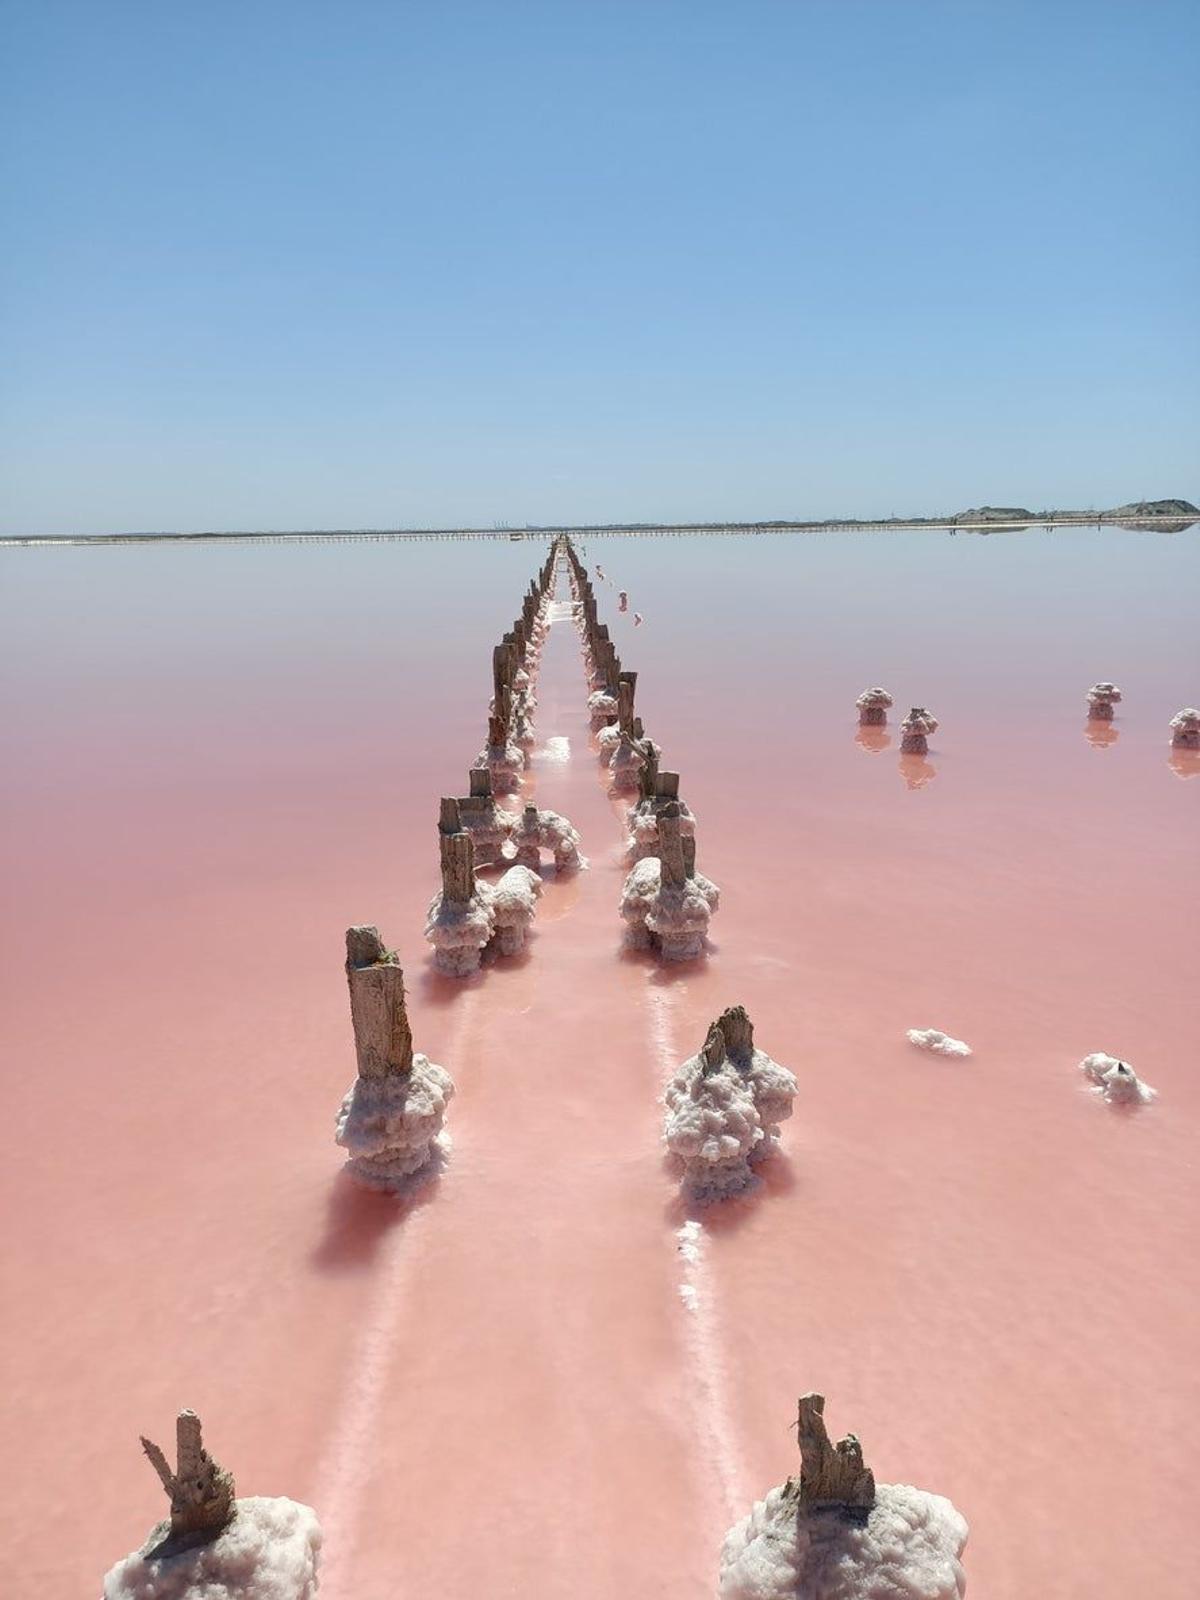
1167 516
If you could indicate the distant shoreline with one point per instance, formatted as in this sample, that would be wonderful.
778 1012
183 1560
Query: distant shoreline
1161 521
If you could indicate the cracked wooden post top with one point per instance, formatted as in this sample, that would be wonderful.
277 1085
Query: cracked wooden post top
382 1036
200 1490
712 1051
449 820
734 1022
831 1475
670 848
480 779
458 867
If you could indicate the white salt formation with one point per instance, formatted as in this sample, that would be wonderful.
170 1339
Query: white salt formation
940 1043
873 707
724 1107
491 829
626 762
547 830
1185 729
215 1547
460 921
833 1534
622 600
656 790
514 905
1115 1081
916 728
665 904
390 1122
602 707
1102 697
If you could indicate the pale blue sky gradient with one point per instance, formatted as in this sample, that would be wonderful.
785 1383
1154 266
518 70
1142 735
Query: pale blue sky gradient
305 265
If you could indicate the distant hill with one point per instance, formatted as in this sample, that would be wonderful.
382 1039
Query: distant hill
1157 508
994 514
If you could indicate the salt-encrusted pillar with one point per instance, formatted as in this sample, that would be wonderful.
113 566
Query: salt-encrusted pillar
724 1106
1185 729
873 705
916 728
1102 697
382 1036
489 827
214 1544
830 1474
390 1121
626 685
200 1490
458 867
833 1531
670 848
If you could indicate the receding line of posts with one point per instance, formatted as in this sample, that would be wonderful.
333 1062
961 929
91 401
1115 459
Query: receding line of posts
675 530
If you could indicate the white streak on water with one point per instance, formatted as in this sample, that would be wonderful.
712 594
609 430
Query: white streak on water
557 749
710 1387
346 1465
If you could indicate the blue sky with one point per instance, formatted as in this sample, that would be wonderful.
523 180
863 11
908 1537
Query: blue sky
306 265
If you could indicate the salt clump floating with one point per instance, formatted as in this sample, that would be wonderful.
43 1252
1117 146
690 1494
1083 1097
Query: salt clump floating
461 920
1102 697
1185 729
215 1547
1115 1081
547 830
873 705
724 1107
390 1122
665 904
833 1534
916 728
940 1043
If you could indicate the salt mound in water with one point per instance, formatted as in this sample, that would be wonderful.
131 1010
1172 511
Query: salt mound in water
267 1552
906 1547
940 1043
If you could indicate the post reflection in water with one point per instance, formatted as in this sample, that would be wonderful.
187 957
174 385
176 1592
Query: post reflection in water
917 771
1101 734
872 740
1184 763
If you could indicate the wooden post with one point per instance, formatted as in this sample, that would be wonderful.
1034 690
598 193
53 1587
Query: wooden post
667 786
458 867
626 684
670 848
201 1491
448 817
480 779
830 1474
738 1030
382 1036
687 843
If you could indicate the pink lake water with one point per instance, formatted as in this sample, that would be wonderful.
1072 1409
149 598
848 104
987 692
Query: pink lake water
218 758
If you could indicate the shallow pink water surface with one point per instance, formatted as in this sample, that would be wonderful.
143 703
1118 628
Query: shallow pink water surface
219 758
